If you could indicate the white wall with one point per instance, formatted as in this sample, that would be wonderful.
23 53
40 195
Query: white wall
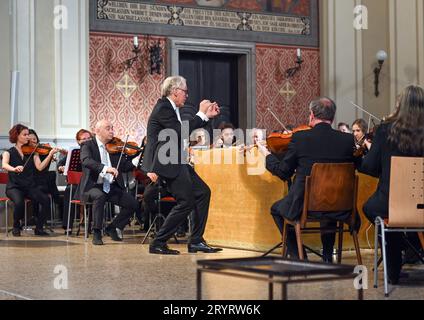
53 66
348 56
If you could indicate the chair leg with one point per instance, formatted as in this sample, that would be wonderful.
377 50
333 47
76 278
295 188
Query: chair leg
383 244
69 218
51 213
284 239
299 241
85 224
340 243
376 254
357 248
25 216
7 222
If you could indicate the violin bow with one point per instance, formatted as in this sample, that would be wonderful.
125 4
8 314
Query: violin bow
368 113
122 152
276 118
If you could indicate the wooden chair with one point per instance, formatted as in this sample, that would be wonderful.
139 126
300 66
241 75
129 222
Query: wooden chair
406 207
331 187
4 178
73 179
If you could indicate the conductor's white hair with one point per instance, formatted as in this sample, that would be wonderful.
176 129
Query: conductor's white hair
172 83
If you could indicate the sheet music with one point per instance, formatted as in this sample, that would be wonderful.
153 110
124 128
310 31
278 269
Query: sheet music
73 152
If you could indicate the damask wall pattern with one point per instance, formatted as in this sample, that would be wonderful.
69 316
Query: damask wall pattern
288 98
129 115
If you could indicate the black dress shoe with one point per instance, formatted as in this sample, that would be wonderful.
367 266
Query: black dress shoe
203 247
40 232
16 232
97 238
111 232
162 250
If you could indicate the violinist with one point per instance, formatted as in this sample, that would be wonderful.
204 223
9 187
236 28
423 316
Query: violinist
227 138
21 185
359 130
343 127
44 179
319 144
81 136
402 134
102 181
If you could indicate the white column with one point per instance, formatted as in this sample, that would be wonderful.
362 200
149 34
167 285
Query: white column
24 58
406 44
71 61
341 57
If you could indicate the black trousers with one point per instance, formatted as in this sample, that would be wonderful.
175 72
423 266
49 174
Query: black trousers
327 239
18 198
116 196
191 193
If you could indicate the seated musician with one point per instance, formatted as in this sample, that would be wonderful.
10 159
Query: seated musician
227 138
320 144
102 181
21 185
402 134
81 137
359 130
44 179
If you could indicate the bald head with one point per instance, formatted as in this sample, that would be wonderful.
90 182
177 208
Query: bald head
104 131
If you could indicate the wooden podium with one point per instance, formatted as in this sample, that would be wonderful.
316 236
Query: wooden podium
243 192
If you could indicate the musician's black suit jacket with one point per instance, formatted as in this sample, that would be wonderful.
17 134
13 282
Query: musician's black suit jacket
321 144
92 166
164 117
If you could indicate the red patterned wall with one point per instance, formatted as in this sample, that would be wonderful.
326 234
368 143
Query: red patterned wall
271 63
129 115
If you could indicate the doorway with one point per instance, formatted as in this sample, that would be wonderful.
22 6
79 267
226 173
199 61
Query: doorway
212 76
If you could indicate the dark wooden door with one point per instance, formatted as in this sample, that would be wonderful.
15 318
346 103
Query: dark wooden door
211 76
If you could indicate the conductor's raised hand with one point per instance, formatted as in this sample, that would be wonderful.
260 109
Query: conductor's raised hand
213 110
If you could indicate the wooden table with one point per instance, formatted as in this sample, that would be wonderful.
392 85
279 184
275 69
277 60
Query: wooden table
243 192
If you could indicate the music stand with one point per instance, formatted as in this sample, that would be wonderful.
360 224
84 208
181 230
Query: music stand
73 160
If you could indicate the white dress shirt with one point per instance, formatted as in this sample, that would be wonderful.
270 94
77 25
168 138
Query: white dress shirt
177 111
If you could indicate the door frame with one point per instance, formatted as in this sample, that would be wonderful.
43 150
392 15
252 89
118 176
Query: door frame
246 52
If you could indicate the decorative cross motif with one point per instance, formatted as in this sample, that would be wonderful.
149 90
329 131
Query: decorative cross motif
126 85
287 91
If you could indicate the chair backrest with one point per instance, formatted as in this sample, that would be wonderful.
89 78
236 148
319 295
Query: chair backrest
4 177
406 195
74 177
331 187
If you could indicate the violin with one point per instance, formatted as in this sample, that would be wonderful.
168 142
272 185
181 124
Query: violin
43 149
363 150
278 142
116 146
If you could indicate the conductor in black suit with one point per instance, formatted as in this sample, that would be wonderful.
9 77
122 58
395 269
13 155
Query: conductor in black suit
165 158
321 144
101 181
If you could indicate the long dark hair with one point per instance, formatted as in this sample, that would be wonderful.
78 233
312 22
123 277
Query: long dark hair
407 131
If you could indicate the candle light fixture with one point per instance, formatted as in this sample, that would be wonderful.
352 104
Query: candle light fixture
290 72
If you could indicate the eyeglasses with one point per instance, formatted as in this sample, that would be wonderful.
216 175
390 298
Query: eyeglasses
185 90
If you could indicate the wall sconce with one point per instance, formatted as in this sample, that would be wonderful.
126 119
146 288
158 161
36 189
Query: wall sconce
155 58
129 62
381 57
292 71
